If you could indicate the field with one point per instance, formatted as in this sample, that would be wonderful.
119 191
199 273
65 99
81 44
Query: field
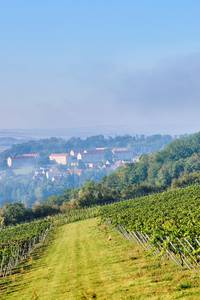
87 260
169 221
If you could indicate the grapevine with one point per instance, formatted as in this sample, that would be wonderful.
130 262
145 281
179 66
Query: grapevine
170 220
17 242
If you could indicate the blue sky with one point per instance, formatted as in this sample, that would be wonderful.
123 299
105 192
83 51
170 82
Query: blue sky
75 64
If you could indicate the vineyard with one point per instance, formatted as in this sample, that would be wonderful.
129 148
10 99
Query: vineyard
97 262
167 223
17 242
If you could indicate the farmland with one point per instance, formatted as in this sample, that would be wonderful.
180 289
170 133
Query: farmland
17 242
169 220
87 260
86 257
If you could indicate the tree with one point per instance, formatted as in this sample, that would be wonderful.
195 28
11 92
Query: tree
15 213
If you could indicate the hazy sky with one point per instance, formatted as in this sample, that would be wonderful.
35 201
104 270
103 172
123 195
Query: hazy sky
71 64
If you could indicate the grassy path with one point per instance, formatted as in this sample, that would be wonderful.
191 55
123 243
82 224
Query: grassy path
87 261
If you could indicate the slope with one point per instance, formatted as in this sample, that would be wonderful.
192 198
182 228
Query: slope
90 261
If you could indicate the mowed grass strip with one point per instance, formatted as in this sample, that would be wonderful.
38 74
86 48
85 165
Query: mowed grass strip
91 261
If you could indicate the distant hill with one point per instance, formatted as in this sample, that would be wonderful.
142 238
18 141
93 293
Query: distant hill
8 142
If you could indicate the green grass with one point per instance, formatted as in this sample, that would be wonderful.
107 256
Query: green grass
90 261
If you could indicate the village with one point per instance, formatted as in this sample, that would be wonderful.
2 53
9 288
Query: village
37 169
76 163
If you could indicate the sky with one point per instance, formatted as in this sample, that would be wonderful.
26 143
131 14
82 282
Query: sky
100 64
